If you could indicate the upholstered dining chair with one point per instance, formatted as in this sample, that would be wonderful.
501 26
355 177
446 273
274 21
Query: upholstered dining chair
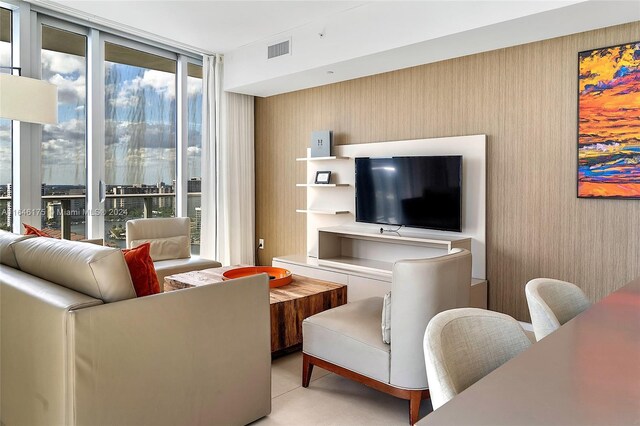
553 303
461 346
170 247
348 340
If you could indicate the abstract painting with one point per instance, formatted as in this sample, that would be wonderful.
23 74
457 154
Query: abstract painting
609 122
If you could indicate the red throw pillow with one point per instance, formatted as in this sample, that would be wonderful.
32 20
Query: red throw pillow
143 273
31 230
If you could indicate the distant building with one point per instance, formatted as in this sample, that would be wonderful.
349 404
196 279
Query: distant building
54 210
197 226
126 203
194 185
10 206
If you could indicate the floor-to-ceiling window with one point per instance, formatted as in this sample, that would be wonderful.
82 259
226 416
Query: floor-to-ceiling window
194 151
113 155
63 159
5 127
140 137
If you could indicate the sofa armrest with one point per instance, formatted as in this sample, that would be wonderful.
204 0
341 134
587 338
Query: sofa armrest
208 362
33 317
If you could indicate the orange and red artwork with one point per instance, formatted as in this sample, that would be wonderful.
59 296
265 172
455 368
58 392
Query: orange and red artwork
609 122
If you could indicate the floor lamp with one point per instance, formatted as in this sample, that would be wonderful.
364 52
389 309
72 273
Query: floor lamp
28 99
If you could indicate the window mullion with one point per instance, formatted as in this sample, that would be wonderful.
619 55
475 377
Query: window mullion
95 134
26 136
182 138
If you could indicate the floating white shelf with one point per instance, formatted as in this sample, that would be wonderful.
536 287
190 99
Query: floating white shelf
354 263
321 158
320 185
403 236
365 249
322 211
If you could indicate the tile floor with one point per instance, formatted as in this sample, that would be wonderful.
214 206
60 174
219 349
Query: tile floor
329 399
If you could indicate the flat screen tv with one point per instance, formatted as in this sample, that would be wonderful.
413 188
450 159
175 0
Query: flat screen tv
421 192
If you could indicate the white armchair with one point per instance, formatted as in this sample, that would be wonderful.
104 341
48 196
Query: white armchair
347 340
170 245
553 303
461 346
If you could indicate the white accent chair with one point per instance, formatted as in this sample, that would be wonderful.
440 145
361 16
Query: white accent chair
170 245
347 340
553 303
461 346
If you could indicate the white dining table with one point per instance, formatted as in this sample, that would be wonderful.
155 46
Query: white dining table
585 373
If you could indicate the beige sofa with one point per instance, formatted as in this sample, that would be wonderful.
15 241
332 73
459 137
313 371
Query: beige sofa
78 348
170 245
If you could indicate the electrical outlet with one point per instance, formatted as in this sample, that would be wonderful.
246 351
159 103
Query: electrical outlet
261 243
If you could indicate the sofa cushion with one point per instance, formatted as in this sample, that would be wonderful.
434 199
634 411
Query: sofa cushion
7 239
143 274
96 271
349 336
177 247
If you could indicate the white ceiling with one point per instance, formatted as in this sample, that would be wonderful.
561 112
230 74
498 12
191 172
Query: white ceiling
208 26
340 40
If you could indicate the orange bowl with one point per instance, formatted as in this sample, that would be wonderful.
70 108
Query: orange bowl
278 277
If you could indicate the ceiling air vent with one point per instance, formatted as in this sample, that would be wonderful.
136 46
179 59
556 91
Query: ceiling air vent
278 49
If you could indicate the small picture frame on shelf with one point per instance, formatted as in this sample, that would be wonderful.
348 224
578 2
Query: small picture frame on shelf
323 177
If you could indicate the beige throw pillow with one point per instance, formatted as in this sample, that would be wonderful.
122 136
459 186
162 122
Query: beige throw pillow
386 318
167 248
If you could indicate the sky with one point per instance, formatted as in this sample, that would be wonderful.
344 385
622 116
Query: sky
139 124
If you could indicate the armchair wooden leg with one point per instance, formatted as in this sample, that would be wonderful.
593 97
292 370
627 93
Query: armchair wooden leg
415 398
307 369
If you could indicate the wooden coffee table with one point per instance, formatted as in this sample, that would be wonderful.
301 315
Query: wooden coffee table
290 304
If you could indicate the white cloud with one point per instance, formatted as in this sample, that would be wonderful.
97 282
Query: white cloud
62 63
194 86
161 82
63 153
5 130
126 99
5 54
70 91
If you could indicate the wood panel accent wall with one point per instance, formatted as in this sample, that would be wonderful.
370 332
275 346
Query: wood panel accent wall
525 99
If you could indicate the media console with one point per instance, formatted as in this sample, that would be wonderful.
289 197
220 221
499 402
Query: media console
341 250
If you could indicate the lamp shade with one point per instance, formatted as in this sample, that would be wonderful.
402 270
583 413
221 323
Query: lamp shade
28 99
